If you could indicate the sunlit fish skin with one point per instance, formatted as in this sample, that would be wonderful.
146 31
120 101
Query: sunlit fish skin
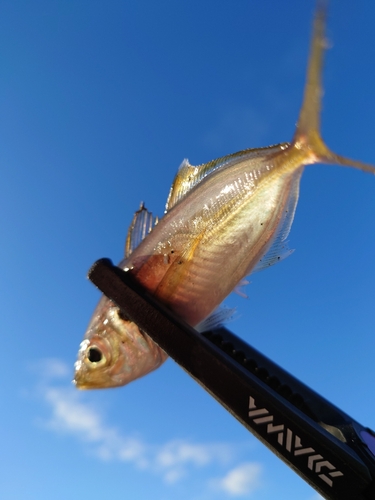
216 235
223 220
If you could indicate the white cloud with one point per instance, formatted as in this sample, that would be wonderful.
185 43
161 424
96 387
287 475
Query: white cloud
174 458
180 452
172 461
70 415
174 475
242 480
51 368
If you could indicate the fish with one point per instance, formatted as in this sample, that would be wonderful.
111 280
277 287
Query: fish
224 220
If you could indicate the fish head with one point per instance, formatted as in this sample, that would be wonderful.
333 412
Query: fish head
114 351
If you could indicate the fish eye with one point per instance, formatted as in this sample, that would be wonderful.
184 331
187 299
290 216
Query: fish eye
94 355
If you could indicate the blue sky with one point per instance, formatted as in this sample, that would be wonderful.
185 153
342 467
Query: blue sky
100 102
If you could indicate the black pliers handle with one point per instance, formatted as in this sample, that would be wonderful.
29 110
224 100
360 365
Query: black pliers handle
326 447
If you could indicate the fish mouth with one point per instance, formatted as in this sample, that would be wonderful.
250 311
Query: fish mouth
80 369
84 379
77 381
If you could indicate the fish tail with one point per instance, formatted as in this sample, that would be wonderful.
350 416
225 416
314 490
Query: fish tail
307 137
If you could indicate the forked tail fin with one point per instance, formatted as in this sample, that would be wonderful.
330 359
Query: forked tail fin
307 135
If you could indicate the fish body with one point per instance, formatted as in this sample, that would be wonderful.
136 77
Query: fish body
223 220
215 235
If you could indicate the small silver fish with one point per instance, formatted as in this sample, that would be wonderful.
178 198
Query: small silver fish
223 220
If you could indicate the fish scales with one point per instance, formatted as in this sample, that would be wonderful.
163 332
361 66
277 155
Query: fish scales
224 230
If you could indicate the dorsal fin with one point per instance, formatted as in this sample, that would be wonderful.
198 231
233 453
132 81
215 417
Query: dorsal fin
279 249
142 224
189 176
186 178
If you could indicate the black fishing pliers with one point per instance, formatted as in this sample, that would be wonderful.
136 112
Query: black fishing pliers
327 448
